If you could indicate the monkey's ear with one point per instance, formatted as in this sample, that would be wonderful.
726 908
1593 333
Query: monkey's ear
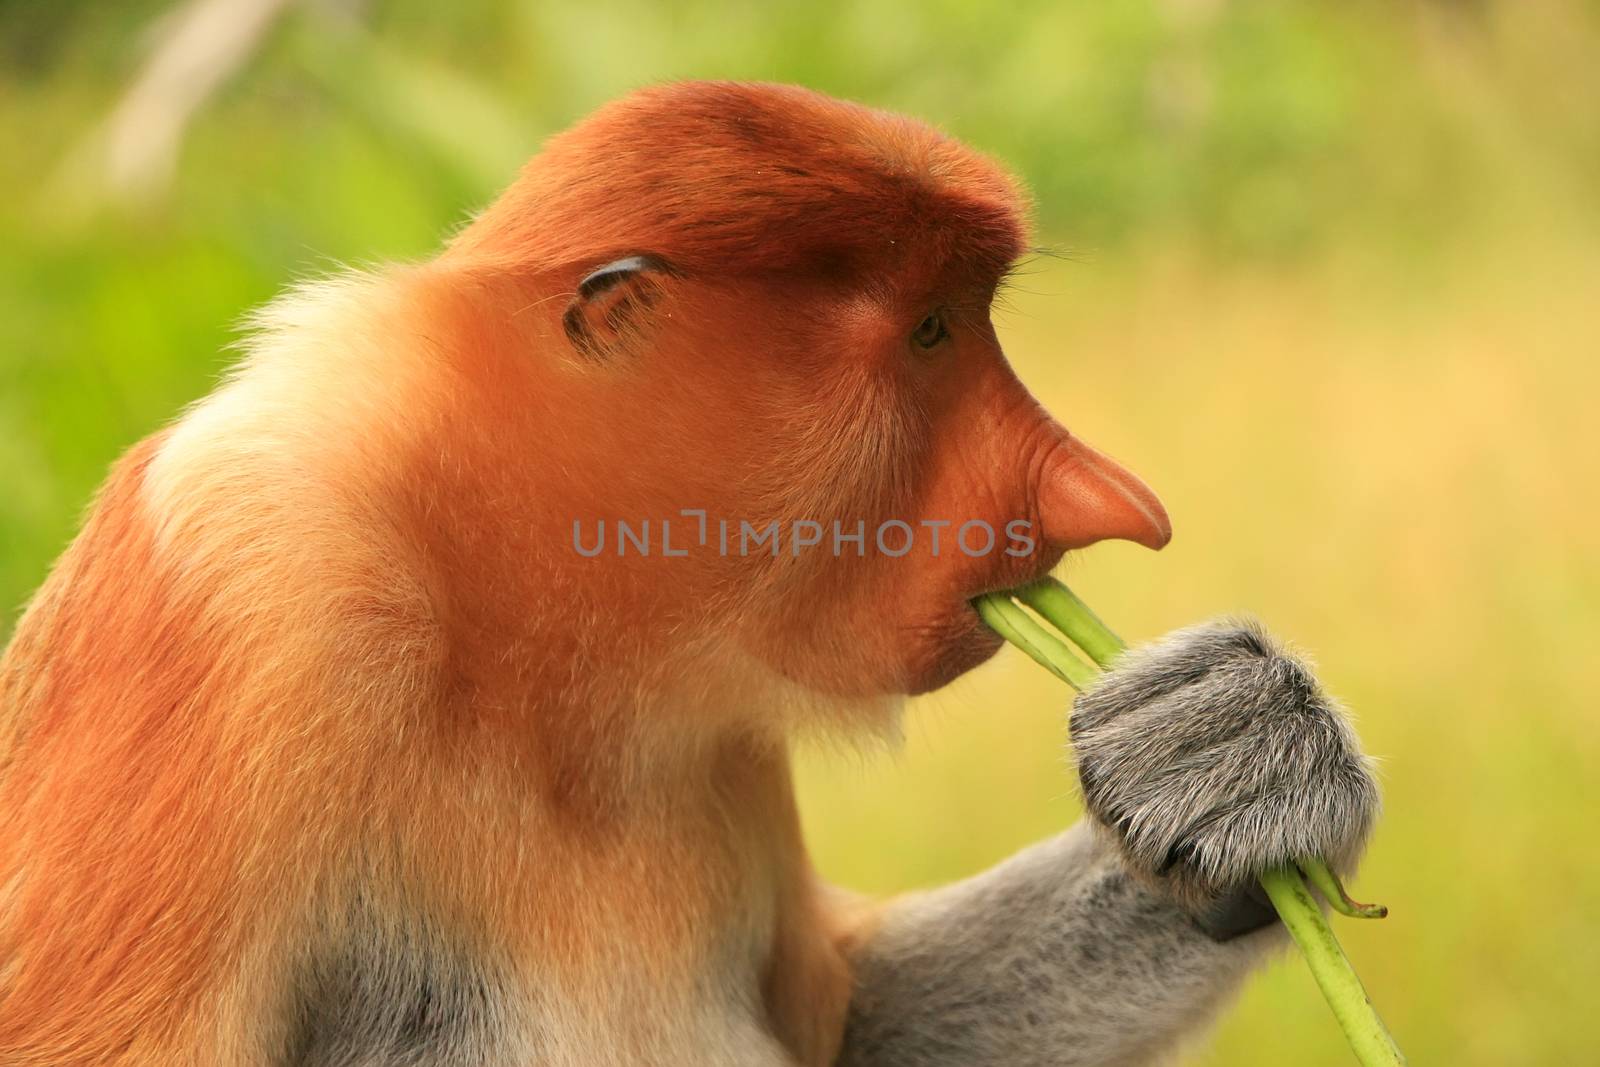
611 304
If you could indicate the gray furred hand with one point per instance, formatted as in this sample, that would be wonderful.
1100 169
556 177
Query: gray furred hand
1205 758
1213 755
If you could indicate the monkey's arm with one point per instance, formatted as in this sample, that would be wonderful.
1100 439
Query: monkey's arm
1204 759
1057 957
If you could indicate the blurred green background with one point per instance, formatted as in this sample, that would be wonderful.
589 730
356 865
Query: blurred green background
1329 279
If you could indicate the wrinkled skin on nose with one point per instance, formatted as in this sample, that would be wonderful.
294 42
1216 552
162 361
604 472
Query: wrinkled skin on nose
1026 465
1086 496
996 457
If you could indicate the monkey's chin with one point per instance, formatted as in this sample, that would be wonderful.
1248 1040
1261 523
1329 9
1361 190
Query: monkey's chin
963 643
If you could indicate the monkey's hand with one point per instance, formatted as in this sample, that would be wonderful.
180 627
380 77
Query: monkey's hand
1212 756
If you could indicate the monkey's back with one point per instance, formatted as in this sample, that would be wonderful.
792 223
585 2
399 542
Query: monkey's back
194 703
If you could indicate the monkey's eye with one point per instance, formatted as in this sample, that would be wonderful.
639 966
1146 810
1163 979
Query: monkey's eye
930 331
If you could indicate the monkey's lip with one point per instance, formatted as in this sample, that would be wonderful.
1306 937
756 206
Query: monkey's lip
970 641
1039 567
954 658
956 639
956 644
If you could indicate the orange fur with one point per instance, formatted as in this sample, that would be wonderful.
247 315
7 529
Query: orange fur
324 643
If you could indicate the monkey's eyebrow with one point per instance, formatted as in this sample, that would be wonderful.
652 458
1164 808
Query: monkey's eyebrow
1027 263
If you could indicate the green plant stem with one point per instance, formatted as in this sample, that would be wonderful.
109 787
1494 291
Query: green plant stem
1341 988
1062 609
1286 887
1320 875
1043 647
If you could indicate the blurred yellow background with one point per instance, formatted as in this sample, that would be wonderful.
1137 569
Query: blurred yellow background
1328 277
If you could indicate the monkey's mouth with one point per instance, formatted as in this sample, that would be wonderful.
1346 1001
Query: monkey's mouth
950 648
958 640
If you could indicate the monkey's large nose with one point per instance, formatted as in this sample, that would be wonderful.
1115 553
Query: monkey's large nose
1086 496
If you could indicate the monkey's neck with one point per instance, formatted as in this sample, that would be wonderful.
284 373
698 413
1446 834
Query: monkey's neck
606 842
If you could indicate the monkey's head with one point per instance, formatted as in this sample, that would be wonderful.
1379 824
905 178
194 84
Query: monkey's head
774 307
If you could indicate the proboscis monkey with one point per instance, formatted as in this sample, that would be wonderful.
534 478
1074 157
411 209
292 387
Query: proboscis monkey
334 740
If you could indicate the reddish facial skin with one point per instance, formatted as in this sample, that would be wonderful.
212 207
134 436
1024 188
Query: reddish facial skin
336 612
995 456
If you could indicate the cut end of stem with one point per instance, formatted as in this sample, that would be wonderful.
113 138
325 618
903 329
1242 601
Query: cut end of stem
1332 889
